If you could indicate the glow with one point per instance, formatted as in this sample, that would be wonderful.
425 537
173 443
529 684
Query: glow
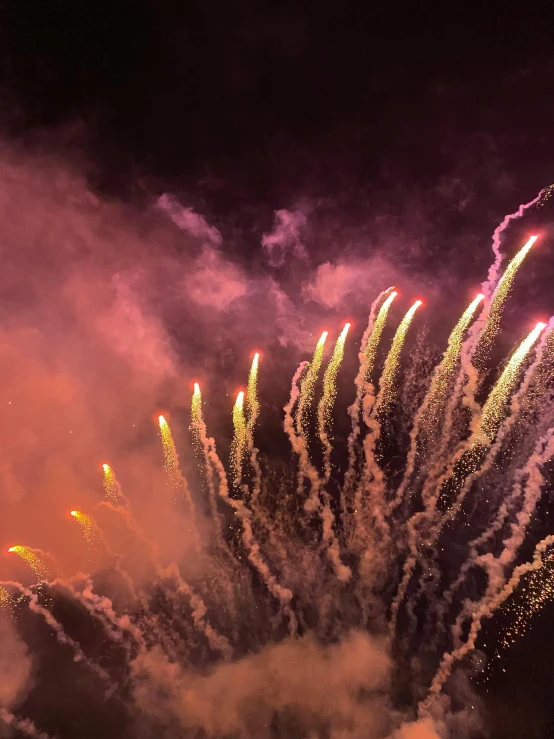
33 560
307 386
239 443
495 407
388 376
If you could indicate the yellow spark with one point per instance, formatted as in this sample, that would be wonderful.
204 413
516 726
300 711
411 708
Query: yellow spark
196 415
327 401
111 486
171 461
5 599
33 560
88 526
252 402
388 376
239 444
307 386
497 305
375 336
495 406
444 373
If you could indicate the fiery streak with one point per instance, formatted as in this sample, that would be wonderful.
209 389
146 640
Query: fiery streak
497 304
196 419
370 350
111 486
239 443
429 414
171 461
495 407
88 526
325 407
388 377
307 386
33 560
252 402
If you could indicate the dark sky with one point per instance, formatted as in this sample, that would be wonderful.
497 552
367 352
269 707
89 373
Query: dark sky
395 113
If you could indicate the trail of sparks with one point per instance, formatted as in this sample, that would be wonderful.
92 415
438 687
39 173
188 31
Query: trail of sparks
307 387
498 300
5 599
388 376
429 415
88 526
252 402
327 401
111 486
495 407
240 438
33 560
196 420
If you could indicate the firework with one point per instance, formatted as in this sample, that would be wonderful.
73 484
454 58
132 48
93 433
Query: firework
111 485
494 408
388 376
307 386
498 300
88 526
252 402
196 419
33 558
239 443
327 401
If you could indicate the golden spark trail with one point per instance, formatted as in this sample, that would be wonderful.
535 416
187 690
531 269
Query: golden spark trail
239 443
171 466
252 402
33 560
388 376
498 300
111 485
327 401
307 387
5 600
88 526
495 406
428 416
196 420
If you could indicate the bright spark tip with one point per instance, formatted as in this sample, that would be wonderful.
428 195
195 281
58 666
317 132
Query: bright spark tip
196 388
11 549
162 421
540 325
106 467
73 513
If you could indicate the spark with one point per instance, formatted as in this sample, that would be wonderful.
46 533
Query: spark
327 401
307 386
252 402
196 419
375 336
111 486
239 443
495 406
88 526
499 298
33 560
171 461
5 599
388 376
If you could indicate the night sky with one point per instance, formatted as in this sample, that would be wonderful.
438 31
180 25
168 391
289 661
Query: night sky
397 134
